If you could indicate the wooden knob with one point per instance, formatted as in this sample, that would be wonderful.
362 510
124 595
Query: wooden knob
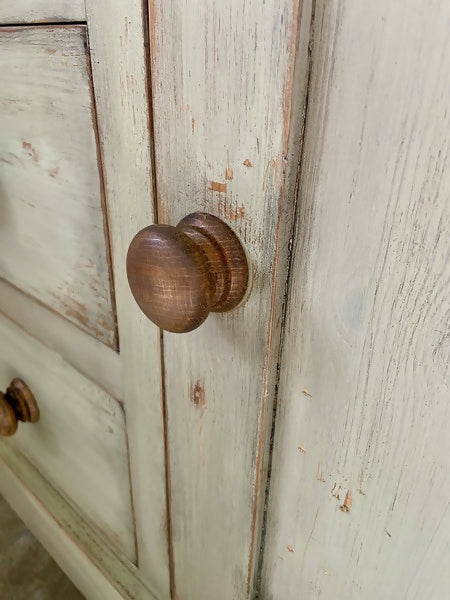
178 275
17 404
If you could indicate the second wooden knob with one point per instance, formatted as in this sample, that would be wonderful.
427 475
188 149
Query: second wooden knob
17 404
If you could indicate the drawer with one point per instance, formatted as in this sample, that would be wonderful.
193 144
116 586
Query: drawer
42 11
79 444
53 235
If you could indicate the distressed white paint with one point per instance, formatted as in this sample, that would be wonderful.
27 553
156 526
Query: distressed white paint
365 372
41 11
116 39
84 352
222 81
66 537
52 240
79 444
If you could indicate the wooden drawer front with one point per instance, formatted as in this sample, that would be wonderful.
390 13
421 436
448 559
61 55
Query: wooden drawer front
52 234
79 444
42 11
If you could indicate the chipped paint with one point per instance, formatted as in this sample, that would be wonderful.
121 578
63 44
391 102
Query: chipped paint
75 309
247 163
53 172
319 475
229 212
347 502
28 147
216 186
198 396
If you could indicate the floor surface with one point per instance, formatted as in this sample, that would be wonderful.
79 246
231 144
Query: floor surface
27 572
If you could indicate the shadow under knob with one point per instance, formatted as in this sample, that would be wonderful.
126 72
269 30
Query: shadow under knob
178 275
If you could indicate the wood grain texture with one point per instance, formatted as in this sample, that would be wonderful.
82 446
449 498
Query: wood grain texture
41 11
96 570
359 502
79 444
222 82
178 275
118 57
52 239
84 352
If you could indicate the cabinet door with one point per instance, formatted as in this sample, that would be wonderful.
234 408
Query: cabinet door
227 82
75 185
228 99
359 500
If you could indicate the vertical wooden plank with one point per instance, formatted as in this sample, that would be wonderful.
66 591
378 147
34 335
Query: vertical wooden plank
359 501
116 36
222 81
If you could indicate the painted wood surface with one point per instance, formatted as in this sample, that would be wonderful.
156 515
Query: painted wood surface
91 564
222 83
52 238
360 495
79 443
41 11
118 58
84 352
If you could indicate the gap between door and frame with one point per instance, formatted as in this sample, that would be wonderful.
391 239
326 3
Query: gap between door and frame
292 238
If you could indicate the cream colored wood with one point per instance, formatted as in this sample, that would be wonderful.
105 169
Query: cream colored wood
41 11
359 501
223 81
116 38
79 444
68 539
84 352
52 239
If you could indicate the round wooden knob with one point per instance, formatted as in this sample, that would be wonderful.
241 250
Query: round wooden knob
178 275
17 404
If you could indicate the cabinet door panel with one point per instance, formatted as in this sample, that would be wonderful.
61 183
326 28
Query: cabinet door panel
52 226
359 500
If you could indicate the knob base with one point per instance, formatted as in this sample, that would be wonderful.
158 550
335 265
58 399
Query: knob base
225 255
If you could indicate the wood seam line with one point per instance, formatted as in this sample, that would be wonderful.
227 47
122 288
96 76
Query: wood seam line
148 12
292 234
